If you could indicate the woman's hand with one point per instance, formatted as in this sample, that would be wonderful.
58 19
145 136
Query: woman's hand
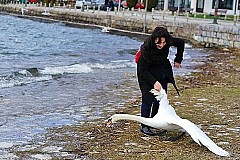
177 65
157 86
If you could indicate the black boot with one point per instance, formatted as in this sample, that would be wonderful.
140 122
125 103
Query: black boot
161 132
158 132
147 131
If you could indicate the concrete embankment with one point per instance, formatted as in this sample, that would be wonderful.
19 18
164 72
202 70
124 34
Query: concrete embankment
198 31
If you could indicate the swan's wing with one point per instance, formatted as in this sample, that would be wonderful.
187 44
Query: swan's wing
147 121
198 135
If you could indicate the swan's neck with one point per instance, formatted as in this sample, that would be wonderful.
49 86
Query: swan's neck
164 102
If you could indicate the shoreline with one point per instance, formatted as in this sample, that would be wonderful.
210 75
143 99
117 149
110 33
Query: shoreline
116 31
207 99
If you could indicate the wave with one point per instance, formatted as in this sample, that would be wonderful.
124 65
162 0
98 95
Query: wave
31 75
86 67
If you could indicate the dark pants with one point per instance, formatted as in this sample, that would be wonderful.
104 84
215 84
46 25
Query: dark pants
150 105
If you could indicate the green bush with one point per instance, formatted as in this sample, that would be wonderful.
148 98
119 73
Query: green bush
49 2
151 4
131 3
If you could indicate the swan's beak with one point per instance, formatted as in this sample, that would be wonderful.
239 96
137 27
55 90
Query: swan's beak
109 123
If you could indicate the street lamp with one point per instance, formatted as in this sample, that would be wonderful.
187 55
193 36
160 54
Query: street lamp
145 17
235 11
119 5
215 12
178 7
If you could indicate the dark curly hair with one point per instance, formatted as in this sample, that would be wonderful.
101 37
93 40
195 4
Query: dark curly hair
159 32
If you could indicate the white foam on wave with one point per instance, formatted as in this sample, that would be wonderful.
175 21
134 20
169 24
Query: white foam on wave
41 156
86 67
113 65
18 81
76 68
6 144
188 45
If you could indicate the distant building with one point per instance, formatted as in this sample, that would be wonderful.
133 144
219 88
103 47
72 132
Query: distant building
202 6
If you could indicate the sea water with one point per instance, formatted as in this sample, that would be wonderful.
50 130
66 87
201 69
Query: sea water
48 71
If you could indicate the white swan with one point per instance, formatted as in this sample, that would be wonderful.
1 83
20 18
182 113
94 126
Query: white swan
46 13
105 29
167 119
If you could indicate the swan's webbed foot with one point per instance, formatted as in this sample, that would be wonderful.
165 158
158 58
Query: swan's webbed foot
172 139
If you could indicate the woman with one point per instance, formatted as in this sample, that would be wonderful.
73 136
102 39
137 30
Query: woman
155 71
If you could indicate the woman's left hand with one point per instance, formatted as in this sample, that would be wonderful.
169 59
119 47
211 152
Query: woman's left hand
177 65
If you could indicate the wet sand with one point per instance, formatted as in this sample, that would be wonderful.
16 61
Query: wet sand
210 99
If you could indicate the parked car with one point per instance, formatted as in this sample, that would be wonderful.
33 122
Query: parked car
84 3
99 2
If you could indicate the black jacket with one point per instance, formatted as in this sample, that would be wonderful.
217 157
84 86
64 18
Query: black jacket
153 62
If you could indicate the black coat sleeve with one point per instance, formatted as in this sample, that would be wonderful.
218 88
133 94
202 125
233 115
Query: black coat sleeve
180 44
